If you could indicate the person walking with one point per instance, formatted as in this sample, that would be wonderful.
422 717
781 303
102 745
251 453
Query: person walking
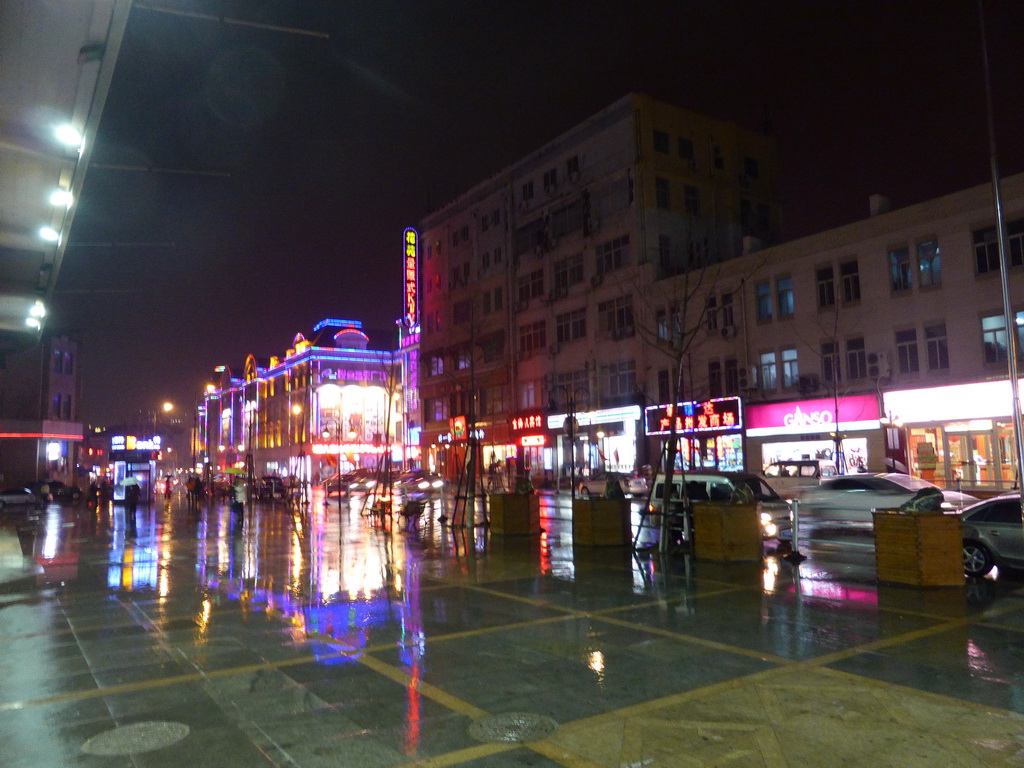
238 503
132 492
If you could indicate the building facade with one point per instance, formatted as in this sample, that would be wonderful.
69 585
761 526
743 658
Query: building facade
536 284
329 404
40 435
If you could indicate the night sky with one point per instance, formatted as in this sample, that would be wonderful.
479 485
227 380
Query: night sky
294 161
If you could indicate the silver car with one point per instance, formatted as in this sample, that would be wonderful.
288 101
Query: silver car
851 498
993 535
18 497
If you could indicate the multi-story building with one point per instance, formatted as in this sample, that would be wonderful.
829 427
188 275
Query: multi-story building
330 402
40 434
888 332
536 282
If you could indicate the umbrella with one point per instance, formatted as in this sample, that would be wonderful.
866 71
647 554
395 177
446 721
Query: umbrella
130 480
234 471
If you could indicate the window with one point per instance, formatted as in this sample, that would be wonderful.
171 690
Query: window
661 142
665 251
938 352
58 361
691 199
993 336
850 275
56 406
528 191
661 324
826 287
717 159
532 338
496 217
530 394
784 295
732 377
572 167
497 299
763 292
437 408
899 269
714 379
790 369
571 326
830 370
612 254
986 247
661 193
768 371
856 360
462 312
530 286
436 365
486 304
616 316
685 149
664 391
929 264
550 180
727 313
620 379
906 351
711 313
497 255
568 271
463 359
750 167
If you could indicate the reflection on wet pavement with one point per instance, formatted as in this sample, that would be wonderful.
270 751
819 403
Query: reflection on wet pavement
328 637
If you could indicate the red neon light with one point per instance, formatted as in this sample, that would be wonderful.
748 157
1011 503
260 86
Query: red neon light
40 435
531 441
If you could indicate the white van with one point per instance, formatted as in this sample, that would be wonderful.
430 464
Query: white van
792 478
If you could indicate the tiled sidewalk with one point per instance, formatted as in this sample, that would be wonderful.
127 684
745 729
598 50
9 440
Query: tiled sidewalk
329 642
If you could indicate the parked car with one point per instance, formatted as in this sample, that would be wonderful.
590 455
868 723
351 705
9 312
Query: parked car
851 498
57 490
792 478
362 479
993 535
595 485
707 485
270 487
18 497
419 484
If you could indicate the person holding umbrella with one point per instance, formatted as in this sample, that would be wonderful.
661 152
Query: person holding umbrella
132 492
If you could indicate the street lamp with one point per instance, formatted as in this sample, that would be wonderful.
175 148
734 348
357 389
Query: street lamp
571 429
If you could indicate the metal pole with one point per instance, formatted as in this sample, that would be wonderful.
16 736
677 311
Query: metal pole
1004 277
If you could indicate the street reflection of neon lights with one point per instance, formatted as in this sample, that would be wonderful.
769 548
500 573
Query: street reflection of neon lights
203 621
595 660
771 573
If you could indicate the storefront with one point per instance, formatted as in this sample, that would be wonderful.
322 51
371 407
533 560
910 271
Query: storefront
807 429
602 440
710 432
960 433
530 433
134 457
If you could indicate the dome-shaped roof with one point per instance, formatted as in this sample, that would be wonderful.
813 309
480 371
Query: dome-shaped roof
351 338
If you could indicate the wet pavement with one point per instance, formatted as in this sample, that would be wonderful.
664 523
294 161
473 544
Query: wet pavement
328 640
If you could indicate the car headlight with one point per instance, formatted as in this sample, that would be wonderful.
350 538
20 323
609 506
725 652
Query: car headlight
770 529
423 485
438 483
766 518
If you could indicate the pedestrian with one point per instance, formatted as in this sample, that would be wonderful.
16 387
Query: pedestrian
168 488
238 502
131 501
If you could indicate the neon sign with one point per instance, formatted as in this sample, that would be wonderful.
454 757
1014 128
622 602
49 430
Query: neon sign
720 414
133 443
412 298
532 441
527 423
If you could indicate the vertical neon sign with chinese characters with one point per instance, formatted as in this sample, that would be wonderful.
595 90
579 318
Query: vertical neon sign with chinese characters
412 296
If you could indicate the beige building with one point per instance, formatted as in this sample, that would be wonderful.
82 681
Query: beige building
535 283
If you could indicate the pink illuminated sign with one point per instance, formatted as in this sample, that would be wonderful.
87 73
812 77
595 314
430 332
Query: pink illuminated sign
812 415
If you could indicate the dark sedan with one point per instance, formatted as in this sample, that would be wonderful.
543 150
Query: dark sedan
993 535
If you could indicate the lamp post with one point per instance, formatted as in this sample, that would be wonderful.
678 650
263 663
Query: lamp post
571 430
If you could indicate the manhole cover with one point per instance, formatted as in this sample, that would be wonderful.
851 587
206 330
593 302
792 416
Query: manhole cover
512 727
137 737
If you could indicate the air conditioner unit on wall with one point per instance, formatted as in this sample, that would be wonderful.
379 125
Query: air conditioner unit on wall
878 365
728 331
743 379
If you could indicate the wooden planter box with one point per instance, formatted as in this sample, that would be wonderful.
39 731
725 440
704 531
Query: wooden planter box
601 522
512 514
726 532
924 550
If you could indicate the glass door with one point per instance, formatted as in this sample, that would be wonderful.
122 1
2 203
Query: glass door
971 459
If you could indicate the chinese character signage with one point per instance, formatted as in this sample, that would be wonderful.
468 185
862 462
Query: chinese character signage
527 423
718 415
412 299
